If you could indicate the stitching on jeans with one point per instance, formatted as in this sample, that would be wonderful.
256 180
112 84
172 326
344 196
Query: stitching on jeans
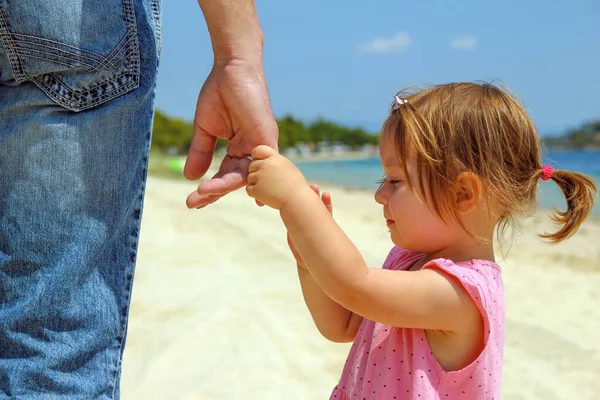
13 56
54 60
117 56
135 66
129 13
134 249
81 92
155 8
101 60
109 59
70 55
77 106
55 42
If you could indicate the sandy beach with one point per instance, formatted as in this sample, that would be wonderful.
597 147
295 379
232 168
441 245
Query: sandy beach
217 311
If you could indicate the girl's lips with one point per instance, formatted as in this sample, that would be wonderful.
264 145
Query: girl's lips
389 221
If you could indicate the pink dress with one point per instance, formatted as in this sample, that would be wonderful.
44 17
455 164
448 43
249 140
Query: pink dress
396 363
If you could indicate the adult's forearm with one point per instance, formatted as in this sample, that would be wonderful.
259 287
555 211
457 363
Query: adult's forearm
234 29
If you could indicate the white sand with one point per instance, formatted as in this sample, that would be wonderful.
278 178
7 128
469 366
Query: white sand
217 311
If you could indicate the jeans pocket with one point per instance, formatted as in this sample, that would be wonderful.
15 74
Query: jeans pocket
81 53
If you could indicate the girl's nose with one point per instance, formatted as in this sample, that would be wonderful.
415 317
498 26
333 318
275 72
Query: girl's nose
380 196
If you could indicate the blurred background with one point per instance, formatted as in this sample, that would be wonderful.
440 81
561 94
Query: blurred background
217 312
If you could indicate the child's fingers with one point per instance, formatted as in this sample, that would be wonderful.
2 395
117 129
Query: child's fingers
315 188
326 197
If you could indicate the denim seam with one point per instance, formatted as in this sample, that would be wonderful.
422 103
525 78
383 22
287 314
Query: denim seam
13 56
100 62
76 106
58 80
25 51
112 57
29 45
155 8
19 37
129 16
117 55
97 63
133 248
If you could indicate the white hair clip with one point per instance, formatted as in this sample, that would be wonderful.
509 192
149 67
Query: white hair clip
399 101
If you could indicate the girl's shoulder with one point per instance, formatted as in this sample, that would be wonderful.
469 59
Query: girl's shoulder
400 259
481 278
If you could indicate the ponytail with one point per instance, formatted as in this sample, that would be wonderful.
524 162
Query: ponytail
580 192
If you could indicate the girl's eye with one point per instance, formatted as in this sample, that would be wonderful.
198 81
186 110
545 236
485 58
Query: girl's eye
383 180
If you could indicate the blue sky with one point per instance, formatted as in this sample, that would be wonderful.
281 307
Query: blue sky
344 60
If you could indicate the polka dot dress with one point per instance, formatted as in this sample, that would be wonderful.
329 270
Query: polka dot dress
396 363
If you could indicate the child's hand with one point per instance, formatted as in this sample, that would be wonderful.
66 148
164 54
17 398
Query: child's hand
273 179
326 198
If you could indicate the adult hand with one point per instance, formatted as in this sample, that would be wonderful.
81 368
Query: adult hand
233 105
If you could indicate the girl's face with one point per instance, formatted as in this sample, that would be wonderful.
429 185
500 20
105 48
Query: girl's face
412 225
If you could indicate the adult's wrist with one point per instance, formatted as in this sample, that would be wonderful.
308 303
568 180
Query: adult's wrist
247 50
234 29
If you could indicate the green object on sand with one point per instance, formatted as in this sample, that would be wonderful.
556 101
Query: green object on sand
176 164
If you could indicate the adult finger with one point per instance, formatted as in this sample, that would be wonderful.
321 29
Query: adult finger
195 200
200 154
224 184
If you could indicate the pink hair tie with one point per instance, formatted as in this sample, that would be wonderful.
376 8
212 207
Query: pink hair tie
547 172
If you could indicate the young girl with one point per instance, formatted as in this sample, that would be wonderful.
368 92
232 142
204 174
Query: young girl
460 161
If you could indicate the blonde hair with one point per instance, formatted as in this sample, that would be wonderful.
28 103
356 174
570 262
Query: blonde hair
459 127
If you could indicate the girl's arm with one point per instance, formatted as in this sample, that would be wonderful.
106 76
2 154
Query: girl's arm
426 299
335 322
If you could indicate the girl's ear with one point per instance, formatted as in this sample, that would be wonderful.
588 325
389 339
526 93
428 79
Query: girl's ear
467 192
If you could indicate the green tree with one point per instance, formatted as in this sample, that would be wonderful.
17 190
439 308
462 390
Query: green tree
292 132
173 135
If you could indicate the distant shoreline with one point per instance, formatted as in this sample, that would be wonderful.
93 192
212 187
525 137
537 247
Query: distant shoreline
172 167
327 157
587 149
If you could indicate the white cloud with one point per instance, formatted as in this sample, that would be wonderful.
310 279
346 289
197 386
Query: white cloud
463 43
394 44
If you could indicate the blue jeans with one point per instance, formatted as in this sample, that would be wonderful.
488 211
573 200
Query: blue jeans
77 82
